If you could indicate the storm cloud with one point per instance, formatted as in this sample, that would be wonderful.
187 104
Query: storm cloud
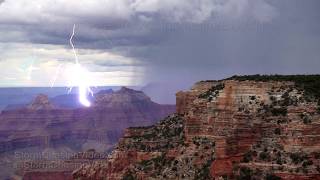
161 43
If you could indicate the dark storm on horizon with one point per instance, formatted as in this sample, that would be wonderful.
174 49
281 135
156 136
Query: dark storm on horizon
160 89
153 44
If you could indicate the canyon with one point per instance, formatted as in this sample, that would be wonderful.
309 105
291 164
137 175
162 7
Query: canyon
238 128
41 128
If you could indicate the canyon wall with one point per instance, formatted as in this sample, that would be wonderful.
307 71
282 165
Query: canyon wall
249 120
230 129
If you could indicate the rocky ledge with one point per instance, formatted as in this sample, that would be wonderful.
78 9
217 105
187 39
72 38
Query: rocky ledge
253 127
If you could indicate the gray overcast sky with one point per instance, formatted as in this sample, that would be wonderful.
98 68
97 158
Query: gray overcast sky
159 43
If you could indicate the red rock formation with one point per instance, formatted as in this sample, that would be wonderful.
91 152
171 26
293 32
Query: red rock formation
45 126
41 102
259 129
233 120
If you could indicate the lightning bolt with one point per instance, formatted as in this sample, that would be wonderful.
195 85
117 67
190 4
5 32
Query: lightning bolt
56 75
71 43
79 76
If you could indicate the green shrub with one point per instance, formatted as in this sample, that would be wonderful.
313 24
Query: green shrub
272 177
129 176
273 99
307 163
204 172
309 83
297 157
279 161
279 111
286 100
264 156
277 131
306 120
247 157
245 173
212 92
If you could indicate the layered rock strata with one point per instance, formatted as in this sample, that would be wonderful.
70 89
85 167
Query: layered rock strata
230 129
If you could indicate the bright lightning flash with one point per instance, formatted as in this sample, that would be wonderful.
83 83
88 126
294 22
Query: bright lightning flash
79 77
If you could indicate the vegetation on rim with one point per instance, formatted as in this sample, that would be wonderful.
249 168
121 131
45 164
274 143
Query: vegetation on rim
309 83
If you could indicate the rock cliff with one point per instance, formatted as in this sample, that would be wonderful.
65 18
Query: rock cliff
41 102
261 128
